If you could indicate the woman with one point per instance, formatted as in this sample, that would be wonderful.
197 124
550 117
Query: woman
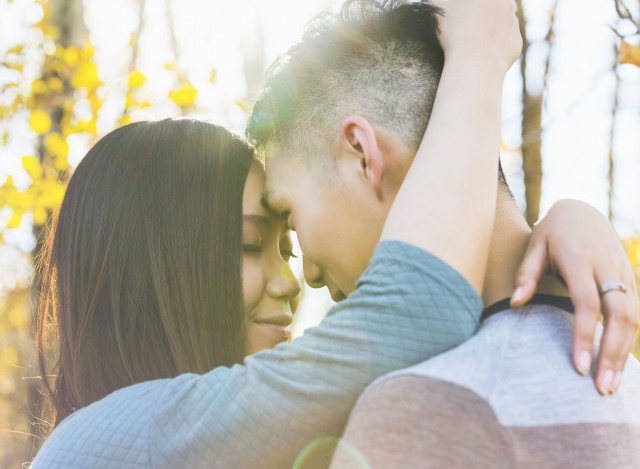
160 281
158 260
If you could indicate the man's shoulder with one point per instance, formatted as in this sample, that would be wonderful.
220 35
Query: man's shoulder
479 362
519 362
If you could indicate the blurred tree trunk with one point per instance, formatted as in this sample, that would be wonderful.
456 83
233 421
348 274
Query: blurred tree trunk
532 120
614 114
254 60
67 18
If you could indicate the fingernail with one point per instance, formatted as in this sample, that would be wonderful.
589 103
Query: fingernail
584 363
517 295
617 380
606 382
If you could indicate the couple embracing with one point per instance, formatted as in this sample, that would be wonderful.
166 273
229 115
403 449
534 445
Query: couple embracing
168 296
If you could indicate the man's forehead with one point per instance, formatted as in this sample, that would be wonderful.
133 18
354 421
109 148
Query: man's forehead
276 169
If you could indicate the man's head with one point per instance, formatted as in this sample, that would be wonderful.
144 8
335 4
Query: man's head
341 118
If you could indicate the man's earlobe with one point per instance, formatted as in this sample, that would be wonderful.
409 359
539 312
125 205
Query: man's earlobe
359 137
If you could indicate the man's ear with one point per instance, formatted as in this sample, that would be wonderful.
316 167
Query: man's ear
358 140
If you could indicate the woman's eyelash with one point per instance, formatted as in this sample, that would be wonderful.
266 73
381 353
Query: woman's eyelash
251 248
289 254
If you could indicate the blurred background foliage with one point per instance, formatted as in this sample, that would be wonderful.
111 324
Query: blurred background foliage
72 70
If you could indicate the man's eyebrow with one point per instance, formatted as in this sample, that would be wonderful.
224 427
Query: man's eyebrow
264 200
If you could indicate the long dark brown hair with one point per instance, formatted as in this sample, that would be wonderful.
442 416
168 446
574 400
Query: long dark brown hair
142 279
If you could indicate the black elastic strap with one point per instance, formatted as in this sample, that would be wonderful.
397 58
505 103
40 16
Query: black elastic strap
561 302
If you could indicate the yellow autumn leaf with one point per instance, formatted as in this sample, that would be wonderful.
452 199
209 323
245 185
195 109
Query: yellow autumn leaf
184 95
17 66
125 119
40 121
136 79
24 200
55 84
86 76
96 103
61 163
87 52
16 219
89 126
56 145
32 166
129 101
629 54
17 49
244 106
38 87
52 32
51 195
170 66
39 216
71 56
632 246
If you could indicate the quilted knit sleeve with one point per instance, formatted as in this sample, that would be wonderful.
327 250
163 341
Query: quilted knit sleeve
286 404
292 403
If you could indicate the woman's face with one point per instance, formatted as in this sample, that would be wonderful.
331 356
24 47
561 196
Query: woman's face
269 285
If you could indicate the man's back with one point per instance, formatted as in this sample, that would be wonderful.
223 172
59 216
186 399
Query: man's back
506 398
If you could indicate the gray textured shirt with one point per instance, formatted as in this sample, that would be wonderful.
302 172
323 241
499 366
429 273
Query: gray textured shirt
283 404
507 398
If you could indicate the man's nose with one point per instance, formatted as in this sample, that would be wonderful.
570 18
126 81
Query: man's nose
313 274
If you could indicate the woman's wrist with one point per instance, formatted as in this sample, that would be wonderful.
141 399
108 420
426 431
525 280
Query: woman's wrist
485 64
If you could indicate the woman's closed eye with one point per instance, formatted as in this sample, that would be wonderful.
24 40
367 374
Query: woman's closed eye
252 248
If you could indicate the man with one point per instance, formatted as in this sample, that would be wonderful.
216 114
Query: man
340 121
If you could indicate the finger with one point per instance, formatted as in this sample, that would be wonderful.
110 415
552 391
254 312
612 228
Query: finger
585 297
533 267
621 322
617 341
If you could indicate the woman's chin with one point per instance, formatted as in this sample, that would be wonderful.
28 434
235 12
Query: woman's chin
267 336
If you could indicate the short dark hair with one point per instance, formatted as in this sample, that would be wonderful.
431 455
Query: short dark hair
143 275
381 59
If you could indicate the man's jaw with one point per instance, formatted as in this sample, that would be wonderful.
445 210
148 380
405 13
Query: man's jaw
336 294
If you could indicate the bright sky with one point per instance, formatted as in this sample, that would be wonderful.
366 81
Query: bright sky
219 34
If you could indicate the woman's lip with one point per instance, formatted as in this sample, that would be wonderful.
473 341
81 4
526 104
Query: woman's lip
283 320
283 332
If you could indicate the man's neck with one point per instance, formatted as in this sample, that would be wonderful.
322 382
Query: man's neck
510 238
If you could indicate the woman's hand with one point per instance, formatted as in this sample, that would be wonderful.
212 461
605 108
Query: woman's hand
576 242
480 30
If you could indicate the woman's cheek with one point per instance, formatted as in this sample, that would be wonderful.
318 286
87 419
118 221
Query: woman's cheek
252 284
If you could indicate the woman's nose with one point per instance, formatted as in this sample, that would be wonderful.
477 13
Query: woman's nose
284 286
